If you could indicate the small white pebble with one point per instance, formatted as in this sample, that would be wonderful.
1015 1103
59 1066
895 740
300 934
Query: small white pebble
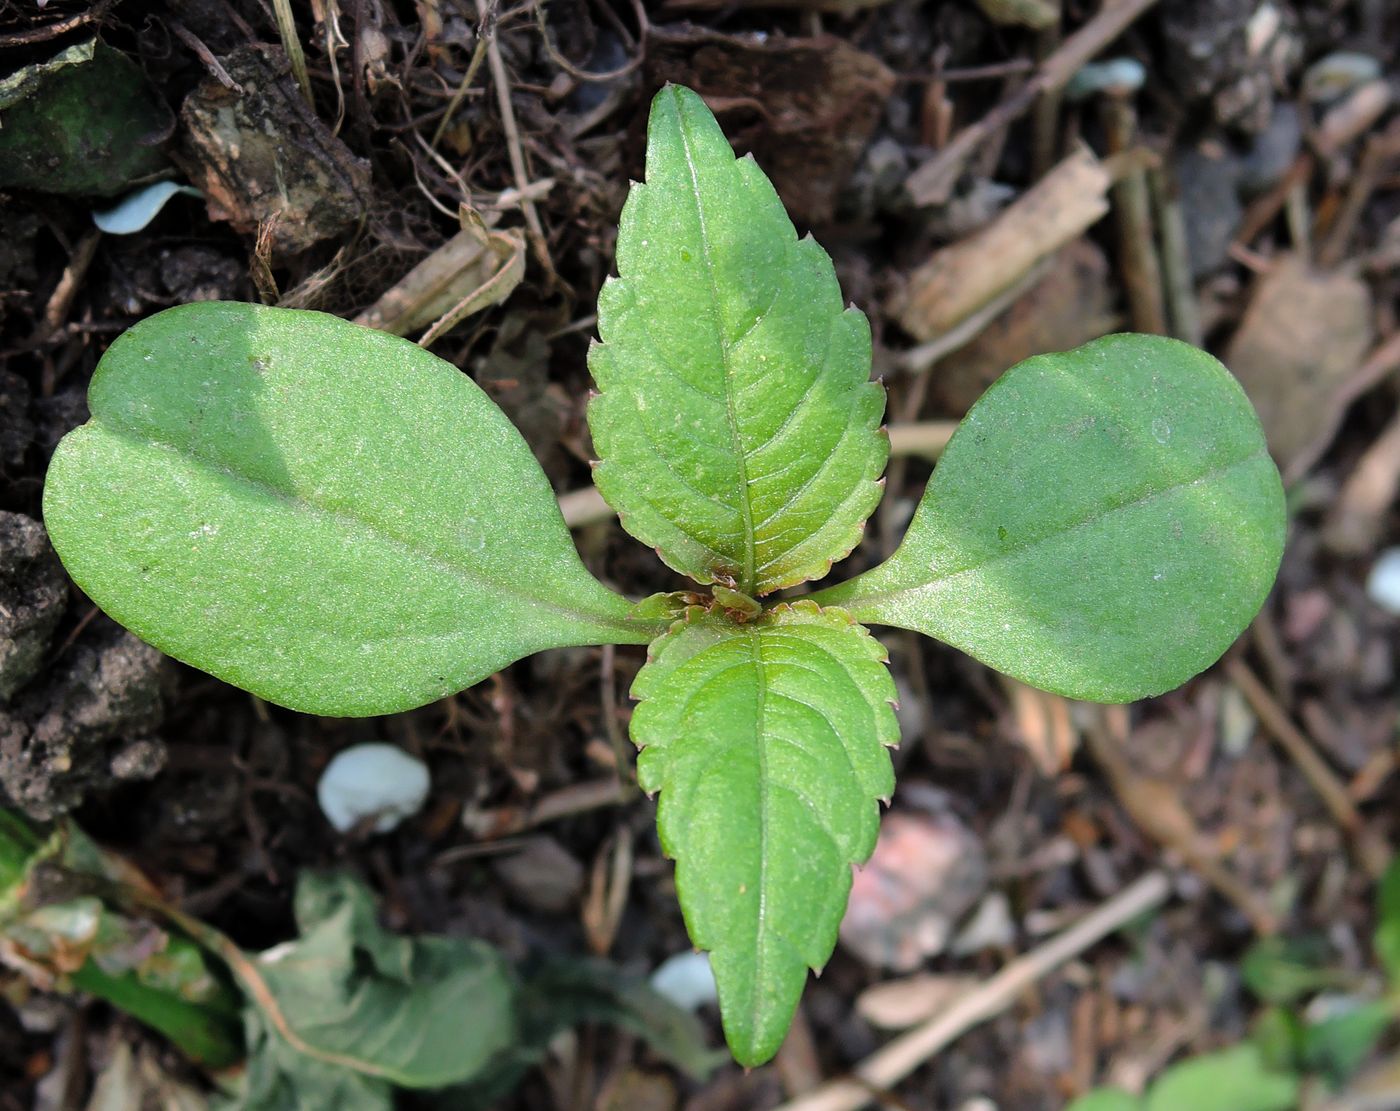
1383 584
686 980
376 781
134 211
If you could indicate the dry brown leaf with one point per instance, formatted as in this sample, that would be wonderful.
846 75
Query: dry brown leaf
474 269
927 871
1043 725
1303 336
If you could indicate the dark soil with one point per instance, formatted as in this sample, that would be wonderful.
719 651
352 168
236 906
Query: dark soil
212 793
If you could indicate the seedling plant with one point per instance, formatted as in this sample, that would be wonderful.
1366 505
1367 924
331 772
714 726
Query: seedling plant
341 523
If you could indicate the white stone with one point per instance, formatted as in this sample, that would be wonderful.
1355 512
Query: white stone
1383 584
686 980
377 781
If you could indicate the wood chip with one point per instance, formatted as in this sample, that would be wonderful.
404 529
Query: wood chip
961 278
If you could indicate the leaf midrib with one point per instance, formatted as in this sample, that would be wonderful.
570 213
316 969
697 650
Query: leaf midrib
862 605
761 672
298 501
746 575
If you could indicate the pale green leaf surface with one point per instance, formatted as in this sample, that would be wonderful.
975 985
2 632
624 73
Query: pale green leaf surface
737 426
325 515
1103 524
1231 1080
767 743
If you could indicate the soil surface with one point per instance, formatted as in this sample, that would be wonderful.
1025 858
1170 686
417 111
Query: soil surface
1259 144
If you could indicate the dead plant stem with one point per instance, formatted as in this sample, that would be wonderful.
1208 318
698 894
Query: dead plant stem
1371 853
512 133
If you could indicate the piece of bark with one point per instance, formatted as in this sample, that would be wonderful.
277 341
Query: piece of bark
263 159
961 278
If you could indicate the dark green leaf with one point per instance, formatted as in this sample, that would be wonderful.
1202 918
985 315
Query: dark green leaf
1278 1033
83 122
1387 940
1103 524
1284 970
560 993
737 424
766 741
66 917
325 515
1337 1046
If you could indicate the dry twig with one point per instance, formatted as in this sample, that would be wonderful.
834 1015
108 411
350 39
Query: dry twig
892 1063
932 182
512 133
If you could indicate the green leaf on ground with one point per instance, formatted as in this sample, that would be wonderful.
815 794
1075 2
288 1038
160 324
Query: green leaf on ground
767 743
1103 524
1285 970
54 929
348 1012
1387 939
1231 1080
1338 1045
82 122
349 1009
325 515
559 993
737 424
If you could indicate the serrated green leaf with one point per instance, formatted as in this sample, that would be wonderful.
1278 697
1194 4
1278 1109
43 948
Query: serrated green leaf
1103 524
325 515
1231 1080
737 425
767 743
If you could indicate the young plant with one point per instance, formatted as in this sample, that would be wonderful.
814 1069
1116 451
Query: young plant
341 523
